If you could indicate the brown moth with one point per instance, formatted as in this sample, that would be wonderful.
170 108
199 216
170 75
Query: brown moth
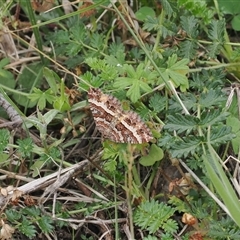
113 122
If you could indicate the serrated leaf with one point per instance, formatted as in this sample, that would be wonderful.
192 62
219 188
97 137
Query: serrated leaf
27 228
181 123
135 81
186 146
177 70
211 98
151 23
190 25
170 226
222 135
46 224
216 32
157 103
152 215
212 117
13 215
31 211
188 49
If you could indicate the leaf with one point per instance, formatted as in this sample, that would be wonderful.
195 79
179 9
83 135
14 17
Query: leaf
236 22
46 224
212 117
41 97
50 115
52 79
143 12
27 228
4 139
234 123
188 49
177 71
135 81
216 34
221 135
30 77
221 183
31 211
151 23
190 25
152 215
157 103
155 154
25 146
211 98
181 123
186 146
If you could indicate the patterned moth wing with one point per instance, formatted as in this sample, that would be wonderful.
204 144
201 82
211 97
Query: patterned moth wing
113 122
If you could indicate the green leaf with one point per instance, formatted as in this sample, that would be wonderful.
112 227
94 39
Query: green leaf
157 103
135 81
221 183
4 139
62 104
41 97
221 135
211 98
27 228
13 215
52 79
186 146
216 34
143 12
236 22
31 211
46 224
181 123
188 49
30 77
212 117
50 115
229 7
37 166
234 123
152 215
190 25
176 71
6 77
155 154
151 23
25 146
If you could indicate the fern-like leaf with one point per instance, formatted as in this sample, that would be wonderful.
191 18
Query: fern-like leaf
185 146
27 228
211 98
212 117
46 224
221 135
153 215
188 49
190 25
181 123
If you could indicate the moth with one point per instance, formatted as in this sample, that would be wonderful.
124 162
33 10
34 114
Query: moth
113 122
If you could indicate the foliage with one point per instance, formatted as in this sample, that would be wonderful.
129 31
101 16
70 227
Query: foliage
170 61
153 215
28 219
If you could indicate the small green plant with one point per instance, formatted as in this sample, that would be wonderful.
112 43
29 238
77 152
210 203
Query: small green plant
28 219
152 216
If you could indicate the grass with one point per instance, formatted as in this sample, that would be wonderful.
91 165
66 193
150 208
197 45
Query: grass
176 64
